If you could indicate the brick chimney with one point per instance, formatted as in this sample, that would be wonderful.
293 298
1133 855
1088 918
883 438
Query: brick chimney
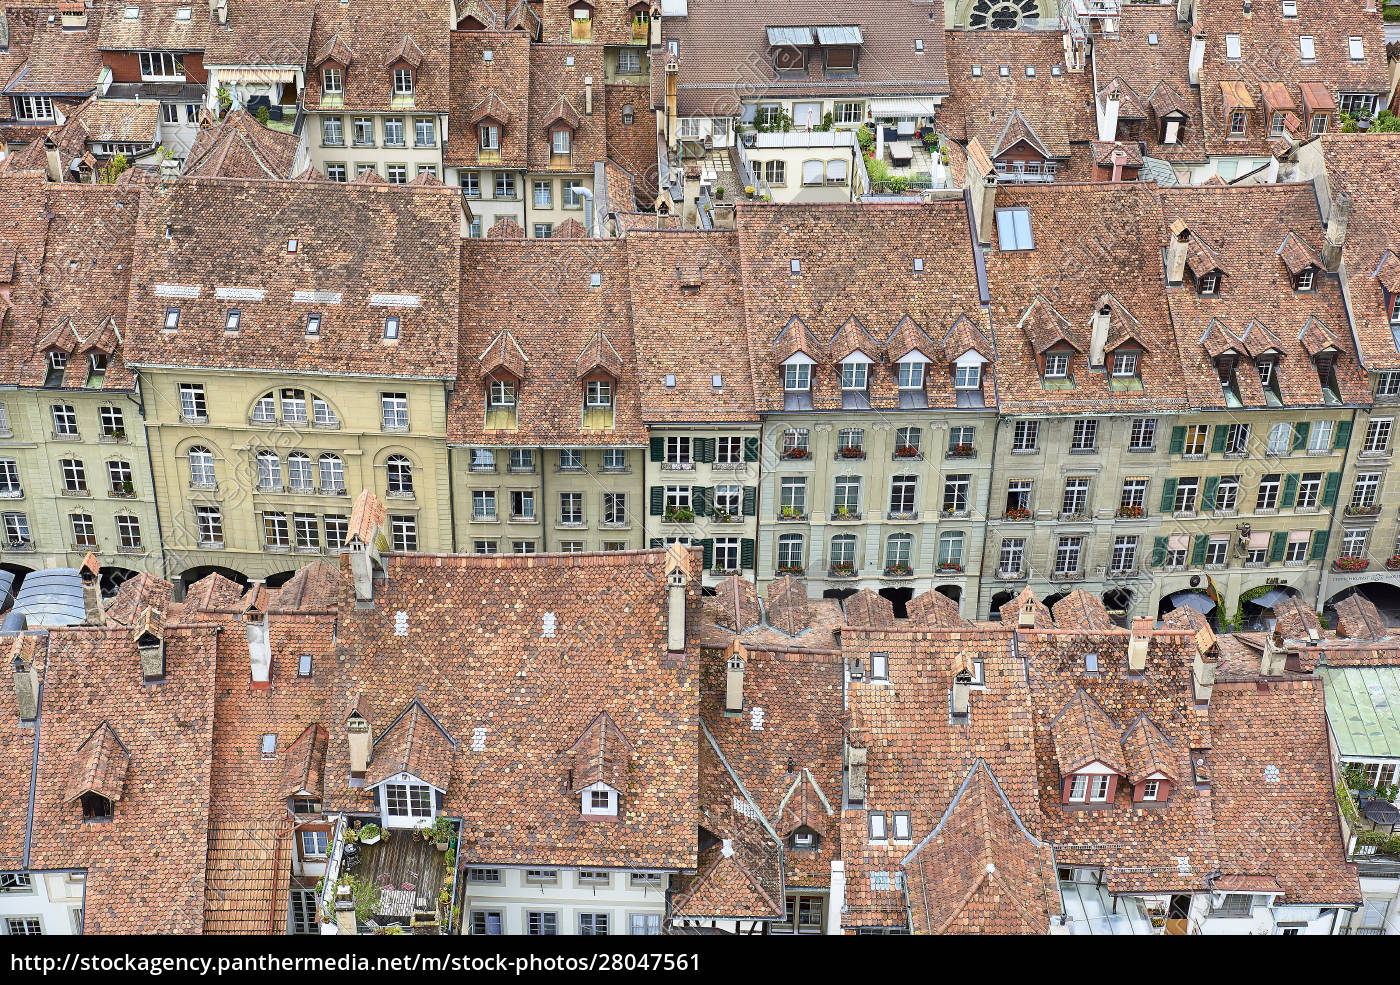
149 637
93 613
1275 656
26 682
359 736
1108 113
1337 219
588 95
1137 645
1026 618
1177 245
1119 157
677 578
1203 666
218 10
367 519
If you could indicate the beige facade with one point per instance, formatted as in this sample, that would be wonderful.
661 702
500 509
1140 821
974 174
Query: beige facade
1365 536
258 474
398 145
75 477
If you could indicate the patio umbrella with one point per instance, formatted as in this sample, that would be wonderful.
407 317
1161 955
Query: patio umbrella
1196 600
1270 598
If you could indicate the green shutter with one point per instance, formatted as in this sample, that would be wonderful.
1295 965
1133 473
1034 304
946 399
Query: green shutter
1343 435
750 501
1290 490
1217 440
1278 545
1329 491
656 542
1319 546
697 500
704 449
1178 444
1198 550
658 449
746 552
709 547
1159 552
1208 492
750 450
1300 435
1168 495
658 500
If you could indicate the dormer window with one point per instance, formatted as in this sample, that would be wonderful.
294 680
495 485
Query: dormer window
1305 280
332 81
599 800
797 376
599 394
581 23
561 142
1395 308
598 403
1125 364
789 59
403 81
967 376
1208 285
1056 365
96 807
854 374
803 840
911 372
490 137
501 394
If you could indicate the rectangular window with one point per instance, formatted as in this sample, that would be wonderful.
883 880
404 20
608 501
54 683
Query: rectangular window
1025 436
571 508
541 924
488 922
1143 434
337 530
209 524
314 843
394 409
1056 365
1014 229
1269 486
1366 490
1086 435
1378 436
792 496
1134 495
192 406
1124 554
1232 47
1076 497
161 65
1013 555
902 494
276 533
1067 555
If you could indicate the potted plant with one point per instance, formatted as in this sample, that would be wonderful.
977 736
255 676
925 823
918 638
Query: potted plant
797 452
843 512
790 569
1351 564
1393 562
898 569
749 190
680 514
443 830
851 451
961 451
719 192
369 834
906 451
1017 513
789 513
1130 512
128 488
842 568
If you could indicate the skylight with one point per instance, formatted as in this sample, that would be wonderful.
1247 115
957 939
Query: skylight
795 266
1014 229
1152 39
1232 47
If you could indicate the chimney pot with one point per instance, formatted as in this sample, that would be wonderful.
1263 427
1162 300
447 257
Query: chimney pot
734 686
1026 620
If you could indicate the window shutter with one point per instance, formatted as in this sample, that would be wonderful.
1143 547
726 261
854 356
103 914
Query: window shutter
1290 489
746 552
750 501
750 449
1278 545
1208 492
1300 435
1159 552
1217 440
697 500
658 449
707 449
1319 546
1329 491
1178 444
658 499
1198 550
656 542
1343 435
708 544
1168 495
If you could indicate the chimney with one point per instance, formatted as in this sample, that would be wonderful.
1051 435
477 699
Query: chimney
1026 618
982 189
1098 334
74 14
52 164
1119 157
962 694
1108 113
93 613
1137 645
219 10
1248 9
1203 667
360 738
677 566
345 919
1177 246
259 641
1337 219
654 31
367 520
734 683
588 95
1197 56
150 646
1275 655
26 683
855 773
672 70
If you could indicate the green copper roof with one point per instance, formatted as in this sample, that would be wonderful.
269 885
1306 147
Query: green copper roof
1363 709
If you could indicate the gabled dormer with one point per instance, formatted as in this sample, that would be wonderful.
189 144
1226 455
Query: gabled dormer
598 370
522 17
1088 752
805 815
1054 341
1117 343
967 352
910 350
560 125
1170 110
796 353
597 769
1151 763
1206 268
97 774
853 351
333 62
502 370
475 15
1304 264
1323 349
303 770
403 63
491 118
1266 351
1387 272
411 768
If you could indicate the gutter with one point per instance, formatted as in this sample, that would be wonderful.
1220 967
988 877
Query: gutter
34 766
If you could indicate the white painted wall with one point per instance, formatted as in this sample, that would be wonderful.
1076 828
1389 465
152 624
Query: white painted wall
515 898
55 898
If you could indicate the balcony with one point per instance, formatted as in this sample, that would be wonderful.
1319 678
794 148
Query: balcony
677 466
1066 576
902 517
112 437
403 881
1075 516
1013 177
1011 574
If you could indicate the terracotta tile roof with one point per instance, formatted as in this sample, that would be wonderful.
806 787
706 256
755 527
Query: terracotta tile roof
249 875
918 760
1051 299
92 676
1156 74
981 871
557 74
261 35
304 768
157 28
1080 610
371 34
17 751
99 766
350 265
1011 611
869 609
734 604
1260 289
688 316
601 755
829 290
56 61
934 610
1081 716
1366 167
737 879
1274 802
1269 52
415 743
1146 751
1046 111
555 317
786 605
498 90
554 640
241 147
1359 619
717 35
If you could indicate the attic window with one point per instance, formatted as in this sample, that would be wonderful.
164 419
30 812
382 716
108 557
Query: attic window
717 381
269 745
292 245
478 739
595 280
96 807
313 323
1290 8
391 328
1305 47
487 55
1152 39
670 381
901 826
918 44
1014 229
172 319
131 13
304 665
879 666
1004 71
182 14
977 71
1304 280
1091 663
1030 71
794 266
918 265
1055 70
1354 49
569 61
1209 284
232 319
1232 47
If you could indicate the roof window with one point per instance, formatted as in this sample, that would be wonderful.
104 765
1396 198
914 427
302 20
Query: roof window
918 44
131 13
977 71
1014 229
1232 47
794 266
670 381
269 745
391 328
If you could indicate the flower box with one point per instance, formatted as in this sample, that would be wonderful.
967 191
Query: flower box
1131 512
1017 513
1363 510
680 515
843 569
1351 564
949 566
790 570
962 451
795 453
906 451
898 570
850 453
1393 562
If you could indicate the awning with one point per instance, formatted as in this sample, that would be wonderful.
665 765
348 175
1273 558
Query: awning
1178 542
1316 98
1381 812
913 106
1259 539
1196 600
839 35
265 75
1270 598
779 37
1236 95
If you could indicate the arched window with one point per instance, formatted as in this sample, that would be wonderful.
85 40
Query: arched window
299 472
294 406
265 410
790 554
269 472
400 475
332 475
811 172
201 468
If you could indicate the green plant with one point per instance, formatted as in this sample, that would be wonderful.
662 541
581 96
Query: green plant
109 172
878 172
369 831
264 115
828 121
719 192
225 99
865 137
450 860
363 893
